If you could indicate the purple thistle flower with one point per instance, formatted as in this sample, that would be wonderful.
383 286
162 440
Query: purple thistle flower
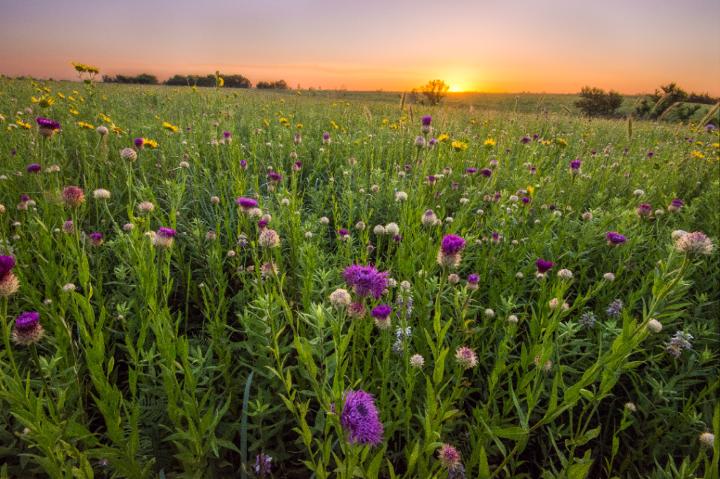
96 238
536 136
381 311
365 280
650 154
473 278
274 176
487 172
27 329
426 120
166 232
139 142
297 166
226 134
243 164
452 244
7 263
543 266
360 419
24 198
33 168
644 209
262 223
471 170
575 164
614 238
246 203
47 123
525 140
343 232
432 142
326 137
525 199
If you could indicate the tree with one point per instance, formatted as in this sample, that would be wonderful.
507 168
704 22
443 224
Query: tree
272 85
435 91
596 102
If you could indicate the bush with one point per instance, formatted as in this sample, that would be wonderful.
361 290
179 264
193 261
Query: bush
435 91
231 81
141 79
272 85
596 102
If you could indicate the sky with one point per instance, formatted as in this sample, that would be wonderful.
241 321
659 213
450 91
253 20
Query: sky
552 46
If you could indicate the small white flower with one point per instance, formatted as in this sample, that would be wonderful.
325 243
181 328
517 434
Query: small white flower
379 230
609 277
101 194
68 288
392 229
512 319
401 196
654 326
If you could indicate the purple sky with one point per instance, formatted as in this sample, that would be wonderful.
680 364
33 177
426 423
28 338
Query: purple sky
511 45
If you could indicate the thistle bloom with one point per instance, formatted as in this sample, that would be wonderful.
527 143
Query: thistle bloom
27 329
381 313
164 237
46 126
450 252
9 283
340 298
74 196
695 243
246 204
675 205
614 238
269 238
96 238
449 457
543 266
575 165
644 210
326 138
274 176
263 465
366 280
33 168
466 357
128 154
360 419
139 142
426 120
473 280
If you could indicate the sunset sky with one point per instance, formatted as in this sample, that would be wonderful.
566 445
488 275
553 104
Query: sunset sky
492 45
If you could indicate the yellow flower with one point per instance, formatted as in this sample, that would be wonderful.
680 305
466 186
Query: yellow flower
85 125
44 101
443 137
561 141
83 68
170 127
716 145
116 129
458 145
266 122
299 126
334 125
105 118
546 142
23 124
530 189
150 143
490 142
74 112
60 95
385 121
284 121
697 154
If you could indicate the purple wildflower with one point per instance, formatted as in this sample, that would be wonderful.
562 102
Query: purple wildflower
166 232
426 120
246 203
139 142
381 311
613 310
543 266
227 134
7 263
243 164
360 419
452 244
614 238
366 280
525 140
471 170
33 168
27 329
575 164
487 172
263 465
47 123
274 176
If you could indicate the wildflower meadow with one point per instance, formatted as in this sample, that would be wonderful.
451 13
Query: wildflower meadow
205 283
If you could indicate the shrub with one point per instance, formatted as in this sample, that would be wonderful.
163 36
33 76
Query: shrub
596 102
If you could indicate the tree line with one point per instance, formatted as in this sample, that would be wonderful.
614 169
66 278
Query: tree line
228 81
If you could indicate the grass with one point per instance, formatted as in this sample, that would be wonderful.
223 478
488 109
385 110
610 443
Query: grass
197 359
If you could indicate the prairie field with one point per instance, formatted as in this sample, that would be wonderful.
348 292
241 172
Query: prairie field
206 283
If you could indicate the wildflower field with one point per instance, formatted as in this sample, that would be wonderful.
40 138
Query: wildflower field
203 283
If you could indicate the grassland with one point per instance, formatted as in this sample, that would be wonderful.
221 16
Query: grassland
180 334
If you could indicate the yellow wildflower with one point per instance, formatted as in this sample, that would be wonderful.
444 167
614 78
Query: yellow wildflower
299 126
74 112
490 142
23 124
443 137
458 145
85 125
116 129
150 143
44 101
284 122
697 154
105 118
561 141
170 127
